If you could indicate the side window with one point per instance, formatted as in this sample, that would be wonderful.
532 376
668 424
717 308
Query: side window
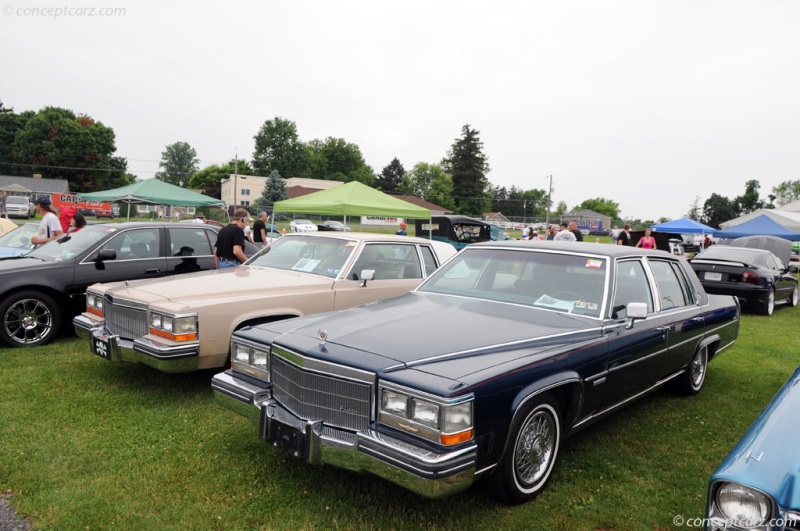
631 286
136 244
670 293
189 242
427 257
389 261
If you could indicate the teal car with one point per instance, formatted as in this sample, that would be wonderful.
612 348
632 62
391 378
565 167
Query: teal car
758 485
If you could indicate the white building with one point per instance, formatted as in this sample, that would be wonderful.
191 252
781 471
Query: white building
245 190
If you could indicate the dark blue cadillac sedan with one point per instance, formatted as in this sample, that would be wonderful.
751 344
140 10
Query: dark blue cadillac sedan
484 368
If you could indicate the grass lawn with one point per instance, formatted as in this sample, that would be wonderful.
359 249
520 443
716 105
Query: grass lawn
85 444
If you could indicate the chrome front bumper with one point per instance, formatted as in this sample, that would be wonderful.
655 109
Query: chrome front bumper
422 471
165 358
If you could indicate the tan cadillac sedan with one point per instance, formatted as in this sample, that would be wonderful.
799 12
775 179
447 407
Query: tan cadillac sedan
185 323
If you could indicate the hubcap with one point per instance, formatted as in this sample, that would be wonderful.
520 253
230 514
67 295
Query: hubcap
535 447
28 321
699 369
771 302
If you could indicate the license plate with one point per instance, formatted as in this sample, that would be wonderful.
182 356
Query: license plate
101 347
713 276
290 439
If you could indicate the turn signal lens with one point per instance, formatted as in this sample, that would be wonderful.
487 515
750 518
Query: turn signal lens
456 438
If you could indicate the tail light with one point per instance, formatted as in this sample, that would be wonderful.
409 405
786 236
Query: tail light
751 277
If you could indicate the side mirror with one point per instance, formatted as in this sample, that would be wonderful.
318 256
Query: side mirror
367 274
106 254
634 311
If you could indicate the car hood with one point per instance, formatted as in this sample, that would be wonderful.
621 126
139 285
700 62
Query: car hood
197 289
11 264
766 456
436 333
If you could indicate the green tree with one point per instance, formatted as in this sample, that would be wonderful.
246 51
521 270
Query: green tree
431 183
274 191
694 210
335 159
209 179
279 148
467 165
560 210
786 192
601 205
59 144
717 209
749 201
179 162
391 177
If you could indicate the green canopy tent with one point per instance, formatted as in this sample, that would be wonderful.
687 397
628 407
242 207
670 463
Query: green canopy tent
153 192
352 199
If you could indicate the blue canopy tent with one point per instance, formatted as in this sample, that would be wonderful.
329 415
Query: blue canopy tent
683 226
763 225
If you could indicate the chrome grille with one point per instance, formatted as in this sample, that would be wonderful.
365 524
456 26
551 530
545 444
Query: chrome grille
124 320
312 395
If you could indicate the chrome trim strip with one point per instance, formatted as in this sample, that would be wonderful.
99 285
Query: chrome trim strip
628 400
596 376
442 357
637 360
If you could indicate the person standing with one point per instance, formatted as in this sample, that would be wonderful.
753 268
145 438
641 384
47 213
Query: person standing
77 222
260 230
229 249
614 235
248 232
50 226
199 218
402 230
565 235
552 231
573 228
525 233
646 241
3 211
625 236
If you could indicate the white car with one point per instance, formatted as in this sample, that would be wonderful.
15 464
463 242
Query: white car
302 225
18 206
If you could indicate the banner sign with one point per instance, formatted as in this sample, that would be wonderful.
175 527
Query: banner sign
374 220
72 200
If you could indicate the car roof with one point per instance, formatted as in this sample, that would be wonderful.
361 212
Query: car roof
603 249
149 224
363 236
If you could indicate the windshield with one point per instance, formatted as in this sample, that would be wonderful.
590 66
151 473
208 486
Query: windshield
315 255
19 237
562 282
18 200
70 245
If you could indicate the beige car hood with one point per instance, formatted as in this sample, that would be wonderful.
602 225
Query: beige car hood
243 282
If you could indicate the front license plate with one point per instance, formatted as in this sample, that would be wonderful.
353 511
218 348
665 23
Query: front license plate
289 439
101 347
713 276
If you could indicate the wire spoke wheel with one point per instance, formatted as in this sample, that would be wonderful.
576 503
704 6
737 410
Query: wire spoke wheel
698 368
535 448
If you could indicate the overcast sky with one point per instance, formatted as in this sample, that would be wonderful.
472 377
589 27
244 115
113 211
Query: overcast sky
647 103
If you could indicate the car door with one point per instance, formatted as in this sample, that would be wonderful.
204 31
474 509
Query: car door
398 270
189 249
635 352
139 254
784 283
677 302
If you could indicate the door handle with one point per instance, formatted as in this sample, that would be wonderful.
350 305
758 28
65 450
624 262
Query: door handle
663 328
153 271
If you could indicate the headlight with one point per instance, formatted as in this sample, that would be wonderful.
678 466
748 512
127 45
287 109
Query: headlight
250 359
94 304
443 421
175 328
743 505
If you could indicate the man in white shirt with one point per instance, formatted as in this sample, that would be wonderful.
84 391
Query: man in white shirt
50 227
564 235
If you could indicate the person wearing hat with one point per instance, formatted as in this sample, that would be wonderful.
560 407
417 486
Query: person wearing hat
402 230
564 235
50 227
199 218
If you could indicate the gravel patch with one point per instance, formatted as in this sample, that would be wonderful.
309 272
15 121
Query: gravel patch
9 521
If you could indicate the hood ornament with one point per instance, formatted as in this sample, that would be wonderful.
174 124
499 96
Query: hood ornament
323 336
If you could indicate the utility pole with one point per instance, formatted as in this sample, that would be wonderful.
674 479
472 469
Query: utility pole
235 175
549 192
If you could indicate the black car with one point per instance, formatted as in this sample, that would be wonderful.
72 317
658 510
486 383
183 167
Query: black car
333 225
756 276
484 368
45 288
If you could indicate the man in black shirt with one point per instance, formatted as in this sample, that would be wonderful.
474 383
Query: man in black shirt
260 230
625 236
229 249
573 228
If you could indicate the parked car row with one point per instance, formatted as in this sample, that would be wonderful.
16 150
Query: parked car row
542 341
